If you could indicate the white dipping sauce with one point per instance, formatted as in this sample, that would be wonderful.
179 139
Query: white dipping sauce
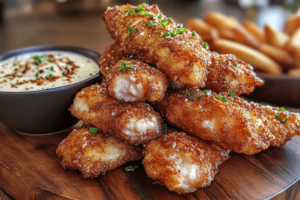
45 70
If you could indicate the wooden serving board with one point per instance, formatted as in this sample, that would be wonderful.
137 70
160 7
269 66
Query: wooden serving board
30 169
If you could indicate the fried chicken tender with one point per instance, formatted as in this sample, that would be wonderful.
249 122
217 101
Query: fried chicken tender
136 123
229 74
284 127
95 154
209 117
140 83
183 163
183 58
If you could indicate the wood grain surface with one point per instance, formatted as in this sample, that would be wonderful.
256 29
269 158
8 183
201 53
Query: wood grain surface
29 169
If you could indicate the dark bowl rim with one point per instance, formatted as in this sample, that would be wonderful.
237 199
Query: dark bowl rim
44 48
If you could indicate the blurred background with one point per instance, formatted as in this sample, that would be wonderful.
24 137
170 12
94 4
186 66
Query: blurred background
79 23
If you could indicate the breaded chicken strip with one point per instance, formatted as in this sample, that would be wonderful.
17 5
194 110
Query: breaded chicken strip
229 74
178 53
95 154
282 124
133 80
183 163
181 58
136 123
214 118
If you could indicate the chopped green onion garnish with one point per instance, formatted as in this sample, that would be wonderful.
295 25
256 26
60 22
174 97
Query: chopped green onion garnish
126 11
164 23
284 121
124 68
159 17
170 19
52 68
182 30
37 75
49 59
131 30
153 25
207 92
149 15
282 109
173 33
198 95
222 61
219 96
225 100
158 31
205 45
51 75
15 69
208 69
194 34
179 25
166 34
186 93
149 23
93 130
132 12
165 127
38 60
277 115
235 64
130 168
215 52
232 94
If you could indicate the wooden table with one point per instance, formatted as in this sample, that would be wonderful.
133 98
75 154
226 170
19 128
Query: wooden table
69 24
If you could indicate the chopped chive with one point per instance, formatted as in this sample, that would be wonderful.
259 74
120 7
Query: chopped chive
198 95
207 92
232 94
130 168
124 68
153 25
52 68
140 9
159 17
182 30
93 130
149 23
131 30
51 75
49 59
282 109
37 75
208 69
215 52
260 104
222 61
164 23
158 31
149 15
170 19
225 100
194 34
38 60
179 25
235 64
277 115
126 11
219 96
186 93
132 12
205 45
15 69
166 34
165 127
173 33
284 121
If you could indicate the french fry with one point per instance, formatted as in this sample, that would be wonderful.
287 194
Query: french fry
279 55
249 55
294 72
292 24
255 31
220 21
293 44
241 35
275 37
206 32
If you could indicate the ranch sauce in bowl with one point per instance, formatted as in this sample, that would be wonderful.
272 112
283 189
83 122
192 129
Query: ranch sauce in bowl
44 70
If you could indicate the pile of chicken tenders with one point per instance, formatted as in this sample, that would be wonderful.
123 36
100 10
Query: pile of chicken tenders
159 75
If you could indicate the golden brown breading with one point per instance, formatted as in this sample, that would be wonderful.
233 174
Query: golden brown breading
135 123
212 119
284 127
183 163
181 58
95 154
138 84
229 74
111 56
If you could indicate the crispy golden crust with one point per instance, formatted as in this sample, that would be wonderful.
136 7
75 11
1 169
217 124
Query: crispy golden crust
136 123
95 154
214 120
111 56
283 132
139 84
181 58
229 74
183 163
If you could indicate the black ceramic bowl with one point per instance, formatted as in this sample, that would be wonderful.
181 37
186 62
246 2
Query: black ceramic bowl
43 111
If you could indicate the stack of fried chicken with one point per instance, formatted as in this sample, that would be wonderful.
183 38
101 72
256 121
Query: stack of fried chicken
157 70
